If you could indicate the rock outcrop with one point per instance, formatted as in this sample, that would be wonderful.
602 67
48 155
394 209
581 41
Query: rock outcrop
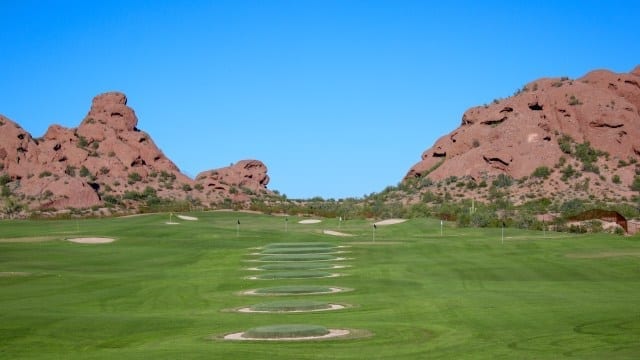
514 136
107 157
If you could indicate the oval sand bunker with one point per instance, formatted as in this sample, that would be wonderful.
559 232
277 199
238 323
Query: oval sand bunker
332 333
309 221
92 240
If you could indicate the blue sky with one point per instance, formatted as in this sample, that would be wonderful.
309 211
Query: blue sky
338 98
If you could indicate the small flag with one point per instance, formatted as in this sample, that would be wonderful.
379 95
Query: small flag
374 226
238 221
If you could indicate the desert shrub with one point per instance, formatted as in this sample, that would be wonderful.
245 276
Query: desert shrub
70 170
132 195
502 181
45 173
572 207
82 141
566 144
5 179
635 185
568 172
84 172
104 170
134 177
186 187
573 100
541 172
199 187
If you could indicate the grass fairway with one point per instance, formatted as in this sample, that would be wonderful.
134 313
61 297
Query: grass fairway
159 291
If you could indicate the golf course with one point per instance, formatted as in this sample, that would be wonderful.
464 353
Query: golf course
140 288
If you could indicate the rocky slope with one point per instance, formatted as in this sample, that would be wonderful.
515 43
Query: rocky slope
557 136
107 158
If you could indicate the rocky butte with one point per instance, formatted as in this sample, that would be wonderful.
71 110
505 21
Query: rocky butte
556 137
107 159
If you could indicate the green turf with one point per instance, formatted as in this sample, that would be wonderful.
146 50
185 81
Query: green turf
291 305
285 331
159 291
293 274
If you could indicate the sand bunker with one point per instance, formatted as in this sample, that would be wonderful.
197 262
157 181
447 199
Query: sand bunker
333 333
91 240
335 233
309 221
331 307
389 222
188 218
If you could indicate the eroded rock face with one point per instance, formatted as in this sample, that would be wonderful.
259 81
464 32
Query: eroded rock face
106 156
521 133
247 176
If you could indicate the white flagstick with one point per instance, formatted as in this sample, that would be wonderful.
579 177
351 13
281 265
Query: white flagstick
374 232
286 223
503 233
238 228
441 225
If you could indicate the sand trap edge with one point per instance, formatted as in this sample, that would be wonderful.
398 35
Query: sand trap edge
333 307
91 240
334 290
334 334
332 275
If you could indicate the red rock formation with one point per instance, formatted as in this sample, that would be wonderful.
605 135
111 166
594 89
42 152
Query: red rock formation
108 155
247 175
516 135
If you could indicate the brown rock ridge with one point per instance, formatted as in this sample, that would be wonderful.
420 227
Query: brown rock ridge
514 136
107 156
